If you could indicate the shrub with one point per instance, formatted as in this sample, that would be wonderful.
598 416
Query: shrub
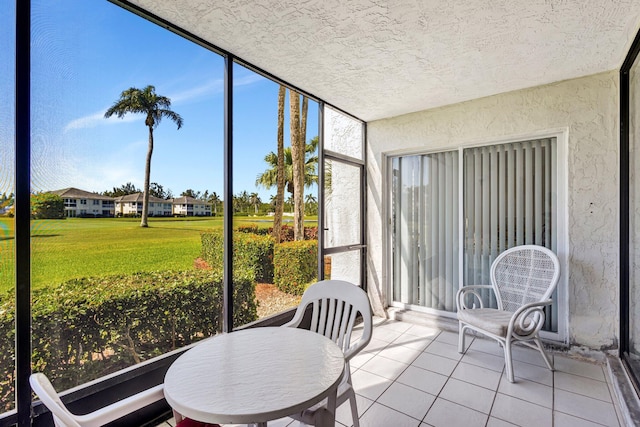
47 206
248 228
89 327
251 253
286 233
311 233
295 265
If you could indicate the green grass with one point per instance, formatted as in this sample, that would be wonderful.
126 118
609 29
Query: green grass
82 247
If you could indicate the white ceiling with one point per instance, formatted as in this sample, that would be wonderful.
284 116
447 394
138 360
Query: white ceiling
382 58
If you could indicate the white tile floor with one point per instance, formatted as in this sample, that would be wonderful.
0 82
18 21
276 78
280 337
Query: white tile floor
412 375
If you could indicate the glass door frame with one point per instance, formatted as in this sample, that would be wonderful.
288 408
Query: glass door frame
323 156
625 188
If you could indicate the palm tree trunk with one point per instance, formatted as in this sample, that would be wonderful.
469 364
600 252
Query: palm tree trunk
277 218
297 157
303 147
303 122
147 175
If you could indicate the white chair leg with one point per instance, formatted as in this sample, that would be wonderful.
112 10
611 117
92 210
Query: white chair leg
461 332
508 361
544 353
354 407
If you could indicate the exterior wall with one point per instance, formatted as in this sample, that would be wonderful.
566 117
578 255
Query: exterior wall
201 210
92 207
127 208
156 208
192 209
180 209
588 109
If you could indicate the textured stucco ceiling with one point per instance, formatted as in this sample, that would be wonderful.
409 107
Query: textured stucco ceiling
378 59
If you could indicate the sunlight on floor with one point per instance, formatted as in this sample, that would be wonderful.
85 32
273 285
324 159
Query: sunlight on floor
413 376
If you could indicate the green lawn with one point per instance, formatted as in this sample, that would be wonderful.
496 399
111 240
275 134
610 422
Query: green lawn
79 247
75 247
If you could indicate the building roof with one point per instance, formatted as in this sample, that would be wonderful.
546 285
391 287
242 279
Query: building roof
379 59
189 201
75 193
138 198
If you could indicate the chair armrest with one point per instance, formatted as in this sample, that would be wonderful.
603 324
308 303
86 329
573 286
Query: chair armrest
528 319
122 407
357 347
473 290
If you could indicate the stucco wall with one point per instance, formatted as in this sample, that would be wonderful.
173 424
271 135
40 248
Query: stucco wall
587 108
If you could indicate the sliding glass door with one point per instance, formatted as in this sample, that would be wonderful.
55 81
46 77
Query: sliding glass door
454 212
630 213
425 235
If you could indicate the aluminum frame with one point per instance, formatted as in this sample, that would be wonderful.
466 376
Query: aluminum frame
129 381
625 186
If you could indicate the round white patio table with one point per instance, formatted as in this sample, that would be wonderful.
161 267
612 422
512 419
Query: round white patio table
255 375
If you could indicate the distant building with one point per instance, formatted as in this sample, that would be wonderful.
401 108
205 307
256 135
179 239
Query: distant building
80 203
131 205
188 206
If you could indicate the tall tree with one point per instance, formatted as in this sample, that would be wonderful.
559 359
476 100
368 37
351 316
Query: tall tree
47 206
123 190
268 178
154 107
241 202
157 190
6 201
298 123
214 199
191 193
254 200
280 172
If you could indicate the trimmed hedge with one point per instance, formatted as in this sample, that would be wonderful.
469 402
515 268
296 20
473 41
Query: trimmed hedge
251 252
287 234
295 265
89 327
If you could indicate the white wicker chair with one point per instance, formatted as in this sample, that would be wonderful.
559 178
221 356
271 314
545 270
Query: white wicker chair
62 417
336 305
523 279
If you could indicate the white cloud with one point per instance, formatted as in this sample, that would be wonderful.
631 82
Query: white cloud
96 119
210 88
248 79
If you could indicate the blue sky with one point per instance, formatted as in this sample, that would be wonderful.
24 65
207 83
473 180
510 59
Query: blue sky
84 54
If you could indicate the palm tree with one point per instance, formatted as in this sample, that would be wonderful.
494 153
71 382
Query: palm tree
267 179
279 167
241 202
155 107
215 199
311 204
254 199
297 160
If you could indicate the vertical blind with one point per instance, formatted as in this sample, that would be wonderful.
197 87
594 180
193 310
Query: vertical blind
426 232
509 200
509 197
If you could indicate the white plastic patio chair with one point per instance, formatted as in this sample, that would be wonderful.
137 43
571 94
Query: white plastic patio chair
62 417
523 279
336 307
